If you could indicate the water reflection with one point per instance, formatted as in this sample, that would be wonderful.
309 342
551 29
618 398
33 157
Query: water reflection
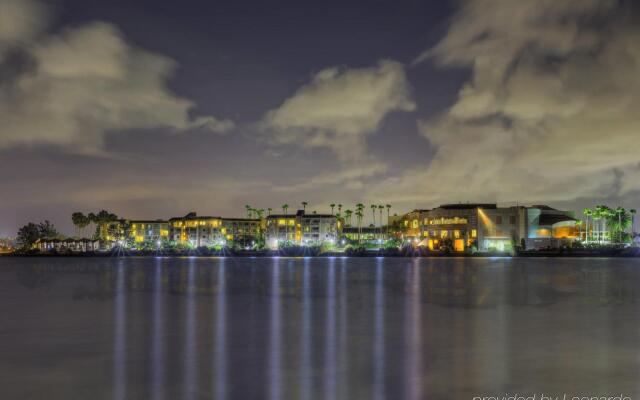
157 335
120 335
311 328
220 353
275 335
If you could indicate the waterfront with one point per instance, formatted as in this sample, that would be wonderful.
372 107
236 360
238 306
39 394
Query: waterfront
317 328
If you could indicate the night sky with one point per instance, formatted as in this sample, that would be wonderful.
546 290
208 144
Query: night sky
152 109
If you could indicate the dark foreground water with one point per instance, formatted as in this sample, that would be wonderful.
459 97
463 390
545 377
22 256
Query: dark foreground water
318 328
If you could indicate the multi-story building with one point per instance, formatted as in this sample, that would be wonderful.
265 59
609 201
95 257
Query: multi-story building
486 227
242 231
301 229
196 231
142 231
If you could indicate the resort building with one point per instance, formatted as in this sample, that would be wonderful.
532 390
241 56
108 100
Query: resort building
148 231
363 234
242 232
73 245
487 227
196 231
301 229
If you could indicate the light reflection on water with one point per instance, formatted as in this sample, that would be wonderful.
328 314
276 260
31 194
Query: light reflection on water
314 328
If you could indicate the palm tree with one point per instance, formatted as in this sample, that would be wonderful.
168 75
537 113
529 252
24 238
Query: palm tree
388 211
285 207
373 211
332 207
269 210
347 216
339 208
380 208
587 213
619 211
248 208
304 206
359 216
633 220
76 219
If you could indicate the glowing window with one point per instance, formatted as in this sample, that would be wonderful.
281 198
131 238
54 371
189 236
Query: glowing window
456 234
474 233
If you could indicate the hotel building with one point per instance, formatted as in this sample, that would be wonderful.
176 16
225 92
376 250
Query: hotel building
142 231
242 231
301 229
196 231
486 227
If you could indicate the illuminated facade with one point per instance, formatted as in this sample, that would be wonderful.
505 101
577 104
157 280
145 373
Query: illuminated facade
242 231
148 231
486 227
196 231
301 229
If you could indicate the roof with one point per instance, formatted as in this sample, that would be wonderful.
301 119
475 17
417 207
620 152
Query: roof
192 216
148 221
550 219
543 207
242 219
468 206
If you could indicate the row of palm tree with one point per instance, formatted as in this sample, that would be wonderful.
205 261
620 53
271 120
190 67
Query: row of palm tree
602 223
82 221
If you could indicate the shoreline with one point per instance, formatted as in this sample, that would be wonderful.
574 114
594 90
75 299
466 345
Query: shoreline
630 253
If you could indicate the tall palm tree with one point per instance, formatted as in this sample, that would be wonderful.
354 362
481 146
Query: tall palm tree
332 207
619 212
633 220
388 211
304 206
339 208
359 215
587 213
373 212
380 208
269 210
248 208
285 207
347 216
76 219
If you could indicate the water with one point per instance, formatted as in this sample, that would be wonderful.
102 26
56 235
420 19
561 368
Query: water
317 328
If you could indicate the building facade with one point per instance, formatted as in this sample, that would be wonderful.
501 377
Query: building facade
196 231
301 229
242 232
487 227
155 232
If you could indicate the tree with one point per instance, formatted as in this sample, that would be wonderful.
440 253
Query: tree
77 219
248 208
388 211
359 215
633 220
347 216
339 208
332 207
269 210
373 212
587 213
380 208
304 206
285 207
30 233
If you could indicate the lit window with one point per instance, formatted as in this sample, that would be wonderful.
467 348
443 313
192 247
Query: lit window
444 234
474 233
456 234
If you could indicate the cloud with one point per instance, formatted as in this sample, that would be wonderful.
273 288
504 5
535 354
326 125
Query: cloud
71 88
550 110
340 107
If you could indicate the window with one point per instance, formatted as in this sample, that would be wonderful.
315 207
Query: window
444 234
512 219
456 234
474 233
415 223
498 219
